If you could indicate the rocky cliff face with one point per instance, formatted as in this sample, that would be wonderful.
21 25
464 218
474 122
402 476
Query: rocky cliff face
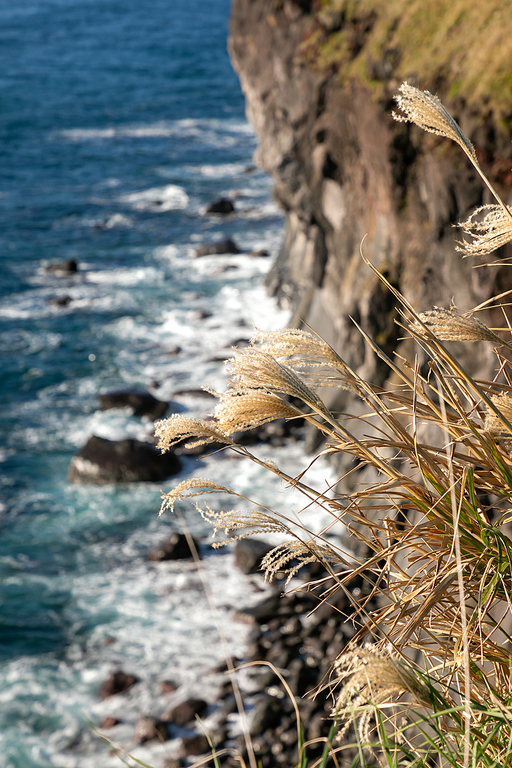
345 171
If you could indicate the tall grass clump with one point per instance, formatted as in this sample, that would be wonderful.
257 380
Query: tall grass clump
433 687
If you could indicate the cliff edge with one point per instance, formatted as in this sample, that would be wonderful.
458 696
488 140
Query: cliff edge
319 80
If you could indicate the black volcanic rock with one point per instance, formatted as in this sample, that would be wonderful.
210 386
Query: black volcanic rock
221 246
186 711
141 402
103 461
175 547
66 267
59 301
249 553
117 682
223 206
149 728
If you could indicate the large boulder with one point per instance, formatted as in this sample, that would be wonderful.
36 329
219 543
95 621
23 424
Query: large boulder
141 402
103 461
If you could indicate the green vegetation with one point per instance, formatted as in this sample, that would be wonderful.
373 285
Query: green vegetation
463 49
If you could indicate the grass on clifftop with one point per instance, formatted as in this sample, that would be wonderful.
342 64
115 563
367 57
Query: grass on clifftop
431 42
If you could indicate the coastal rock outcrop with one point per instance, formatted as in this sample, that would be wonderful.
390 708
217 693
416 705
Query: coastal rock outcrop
102 461
175 547
319 93
141 402
218 247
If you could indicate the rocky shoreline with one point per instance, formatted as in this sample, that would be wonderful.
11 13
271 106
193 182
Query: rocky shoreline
299 635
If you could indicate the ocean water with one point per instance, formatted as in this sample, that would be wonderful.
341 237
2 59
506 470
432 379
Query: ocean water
119 123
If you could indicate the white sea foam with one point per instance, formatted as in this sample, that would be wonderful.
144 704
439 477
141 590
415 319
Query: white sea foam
158 199
206 130
221 171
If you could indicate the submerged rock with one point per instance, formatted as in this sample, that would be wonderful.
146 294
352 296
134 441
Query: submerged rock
66 267
223 206
221 246
103 461
141 402
109 722
175 547
58 301
117 682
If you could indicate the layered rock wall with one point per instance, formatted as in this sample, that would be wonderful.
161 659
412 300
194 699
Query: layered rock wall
349 177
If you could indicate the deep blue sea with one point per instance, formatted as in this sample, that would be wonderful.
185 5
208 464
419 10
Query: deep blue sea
119 123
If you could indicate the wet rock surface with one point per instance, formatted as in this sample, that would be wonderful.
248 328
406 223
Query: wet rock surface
223 206
186 711
141 402
65 267
103 461
149 728
219 247
249 553
296 637
117 682
174 547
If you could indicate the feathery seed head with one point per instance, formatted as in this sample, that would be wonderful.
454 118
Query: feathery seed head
253 369
291 342
239 410
188 489
291 556
493 423
238 525
310 356
178 427
448 325
371 678
426 111
488 232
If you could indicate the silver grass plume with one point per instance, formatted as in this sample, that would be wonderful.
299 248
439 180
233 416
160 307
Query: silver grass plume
488 232
188 489
311 356
239 410
371 678
279 558
493 423
426 111
238 525
448 325
253 369
178 427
